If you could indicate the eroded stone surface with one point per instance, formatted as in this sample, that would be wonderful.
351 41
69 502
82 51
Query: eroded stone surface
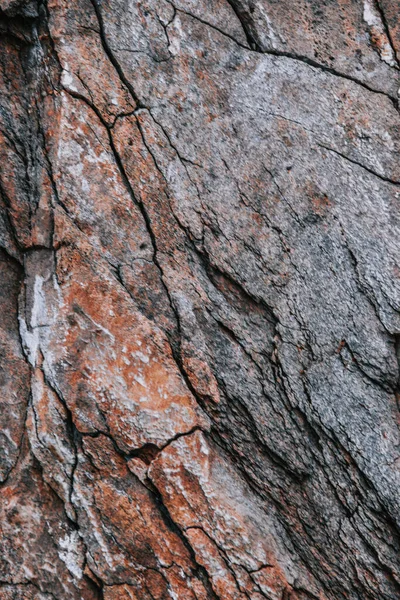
200 300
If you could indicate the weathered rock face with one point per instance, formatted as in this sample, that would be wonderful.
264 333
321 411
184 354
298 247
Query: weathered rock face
200 298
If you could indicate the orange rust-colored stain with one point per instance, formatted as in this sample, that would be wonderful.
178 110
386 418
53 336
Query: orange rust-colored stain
320 202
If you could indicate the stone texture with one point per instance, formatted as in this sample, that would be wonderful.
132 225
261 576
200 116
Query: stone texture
199 260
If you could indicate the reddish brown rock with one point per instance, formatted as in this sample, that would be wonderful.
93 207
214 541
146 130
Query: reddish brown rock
129 386
232 538
131 541
200 295
86 69
14 372
390 11
33 517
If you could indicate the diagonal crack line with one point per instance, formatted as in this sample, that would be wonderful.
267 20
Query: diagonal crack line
312 63
362 285
387 31
208 24
246 26
111 56
152 236
8 217
354 162
184 229
199 570
173 146
136 201
371 379
223 554
254 46
117 157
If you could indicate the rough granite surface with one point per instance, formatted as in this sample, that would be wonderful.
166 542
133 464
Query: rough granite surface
200 294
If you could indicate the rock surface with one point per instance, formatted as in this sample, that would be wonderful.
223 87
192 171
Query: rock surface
200 293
